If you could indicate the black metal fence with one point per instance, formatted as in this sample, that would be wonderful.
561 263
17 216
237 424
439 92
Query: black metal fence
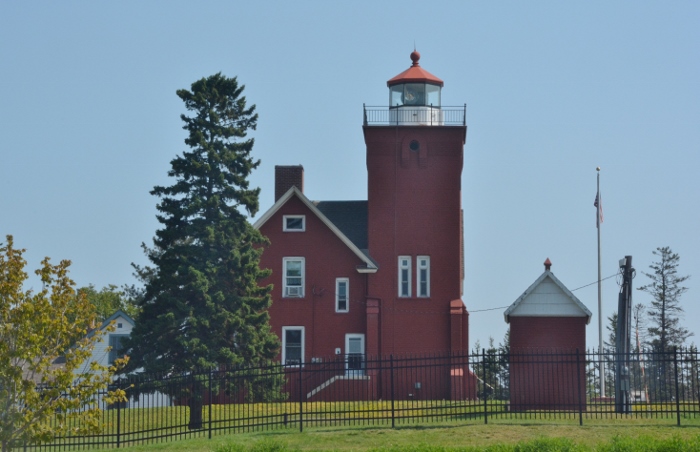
389 391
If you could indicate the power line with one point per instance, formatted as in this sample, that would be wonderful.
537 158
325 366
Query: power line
595 282
422 312
490 309
503 307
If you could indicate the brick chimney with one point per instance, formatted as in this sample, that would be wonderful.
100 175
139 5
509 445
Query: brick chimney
287 177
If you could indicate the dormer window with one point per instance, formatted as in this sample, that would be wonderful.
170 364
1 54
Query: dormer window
294 223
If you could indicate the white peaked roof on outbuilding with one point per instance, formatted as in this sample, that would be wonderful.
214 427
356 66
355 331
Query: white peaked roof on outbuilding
547 297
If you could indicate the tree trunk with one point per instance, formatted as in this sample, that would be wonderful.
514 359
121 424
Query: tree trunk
195 403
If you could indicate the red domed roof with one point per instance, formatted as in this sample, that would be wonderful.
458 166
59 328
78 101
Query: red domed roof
415 74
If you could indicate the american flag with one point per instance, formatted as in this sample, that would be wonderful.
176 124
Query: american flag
598 203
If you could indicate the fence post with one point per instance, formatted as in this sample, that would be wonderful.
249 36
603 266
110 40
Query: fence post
578 378
301 400
211 401
483 384
119 416
391 377
675 375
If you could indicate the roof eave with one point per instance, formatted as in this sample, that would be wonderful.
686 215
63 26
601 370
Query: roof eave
294 191
415 75
549 274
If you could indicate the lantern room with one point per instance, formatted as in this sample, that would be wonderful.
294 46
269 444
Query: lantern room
414 96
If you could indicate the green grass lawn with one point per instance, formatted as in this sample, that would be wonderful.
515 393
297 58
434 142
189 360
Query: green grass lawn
367 425
498 435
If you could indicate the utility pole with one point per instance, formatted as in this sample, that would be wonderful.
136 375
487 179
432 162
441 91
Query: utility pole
622 338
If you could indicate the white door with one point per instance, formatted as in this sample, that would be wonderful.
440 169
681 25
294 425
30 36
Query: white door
354 354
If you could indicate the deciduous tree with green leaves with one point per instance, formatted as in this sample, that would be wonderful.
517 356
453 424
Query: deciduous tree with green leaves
40 400
109 300
202 307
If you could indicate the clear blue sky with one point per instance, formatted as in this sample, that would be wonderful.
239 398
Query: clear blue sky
89 122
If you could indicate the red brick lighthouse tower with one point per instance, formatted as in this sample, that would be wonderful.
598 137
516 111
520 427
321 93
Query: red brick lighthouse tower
414 162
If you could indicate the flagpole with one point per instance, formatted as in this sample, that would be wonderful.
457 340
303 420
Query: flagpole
600 300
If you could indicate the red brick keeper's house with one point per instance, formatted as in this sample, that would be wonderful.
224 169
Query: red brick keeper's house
383 276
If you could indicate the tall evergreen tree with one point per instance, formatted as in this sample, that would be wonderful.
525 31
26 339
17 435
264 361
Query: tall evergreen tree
611 343
202 307
639 327
665 310
664 313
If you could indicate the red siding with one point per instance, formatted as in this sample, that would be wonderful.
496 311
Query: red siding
414 210
326 258
548 332
546 371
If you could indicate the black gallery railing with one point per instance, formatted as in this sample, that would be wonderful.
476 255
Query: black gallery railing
414 116
388 391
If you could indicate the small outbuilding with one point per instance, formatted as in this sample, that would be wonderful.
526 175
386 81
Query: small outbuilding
547 346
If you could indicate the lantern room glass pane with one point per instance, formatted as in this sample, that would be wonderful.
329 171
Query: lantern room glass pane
432 93
414 94
396 96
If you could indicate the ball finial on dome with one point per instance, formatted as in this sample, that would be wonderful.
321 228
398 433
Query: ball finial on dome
415 56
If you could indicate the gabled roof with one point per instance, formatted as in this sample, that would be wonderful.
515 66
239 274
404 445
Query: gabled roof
346 219
547 297
349 216
113 317
62 359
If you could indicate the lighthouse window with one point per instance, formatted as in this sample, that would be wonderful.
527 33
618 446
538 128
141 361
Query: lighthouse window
404 276
423 276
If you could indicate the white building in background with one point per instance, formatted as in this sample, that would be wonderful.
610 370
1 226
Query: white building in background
108 349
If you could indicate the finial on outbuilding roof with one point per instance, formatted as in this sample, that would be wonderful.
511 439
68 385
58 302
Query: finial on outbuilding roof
547 264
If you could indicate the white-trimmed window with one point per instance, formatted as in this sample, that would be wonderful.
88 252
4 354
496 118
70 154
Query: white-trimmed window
423 273
355 354
292 345
342 295
116 349
293 277
294 223
404 276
